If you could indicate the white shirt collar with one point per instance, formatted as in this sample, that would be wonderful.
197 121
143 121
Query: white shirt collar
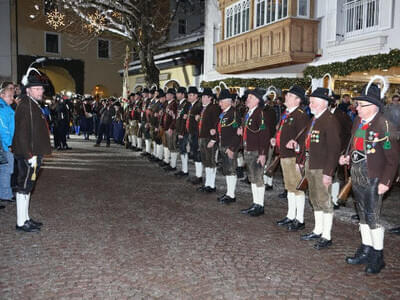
320 114
369 119
252 110
291 109
227 108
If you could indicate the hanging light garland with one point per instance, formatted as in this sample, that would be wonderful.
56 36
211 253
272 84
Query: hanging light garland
96 23
55 19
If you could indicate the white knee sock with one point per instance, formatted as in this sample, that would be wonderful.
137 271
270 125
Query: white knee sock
21 210
260 195
139 143
27 200
174 157
199 169
240 161
207 180
328 220
216 155
335 192
213 173
254 193
154 149
148 145
291 214
166 155
184 160
268 180
319 221
366 235
160 151
129 139
378 235
134 140
300 200
231 185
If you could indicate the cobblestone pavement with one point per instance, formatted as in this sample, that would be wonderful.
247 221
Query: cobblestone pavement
118 227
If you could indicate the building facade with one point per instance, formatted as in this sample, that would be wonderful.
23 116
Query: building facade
180 58
83 64
281 38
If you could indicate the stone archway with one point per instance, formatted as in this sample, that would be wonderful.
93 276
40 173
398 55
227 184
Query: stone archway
60 79
171 84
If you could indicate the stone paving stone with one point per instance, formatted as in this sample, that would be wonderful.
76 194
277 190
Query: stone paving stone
119 227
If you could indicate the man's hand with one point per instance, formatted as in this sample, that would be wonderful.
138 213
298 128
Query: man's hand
239 131
344 160
230 153
273 142
210 144
197 118
382 189
170 131
213 131
261 160
292 144
185 116
180 136
326 180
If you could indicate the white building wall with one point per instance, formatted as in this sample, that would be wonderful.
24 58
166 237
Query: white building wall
333 46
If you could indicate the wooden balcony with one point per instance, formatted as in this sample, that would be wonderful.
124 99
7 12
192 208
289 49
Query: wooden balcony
286 42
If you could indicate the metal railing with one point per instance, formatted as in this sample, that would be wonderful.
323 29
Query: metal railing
360 16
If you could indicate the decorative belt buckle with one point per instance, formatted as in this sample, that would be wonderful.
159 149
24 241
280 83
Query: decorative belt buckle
358 156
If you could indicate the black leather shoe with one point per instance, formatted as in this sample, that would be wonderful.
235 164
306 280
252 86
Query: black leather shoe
35 223
196 180
227 200
209 189
247 210
284 222
361 256
145 154
395 230
336 206
163 164
181 174
283 195
27 227
67 148
257 211
355 218
268 187
310 236
169 169
296 226
221 197
201 189
2 207
322 243
375 262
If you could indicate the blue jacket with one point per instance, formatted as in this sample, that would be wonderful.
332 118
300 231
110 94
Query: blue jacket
7 125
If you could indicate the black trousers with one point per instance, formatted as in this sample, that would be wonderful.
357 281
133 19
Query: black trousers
194 147
365 191
25 179
104 129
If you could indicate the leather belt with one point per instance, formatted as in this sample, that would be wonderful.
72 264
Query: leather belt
358 156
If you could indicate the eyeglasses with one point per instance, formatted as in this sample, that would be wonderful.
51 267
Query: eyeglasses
356 104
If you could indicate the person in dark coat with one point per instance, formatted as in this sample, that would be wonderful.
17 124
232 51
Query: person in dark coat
30 143
106 117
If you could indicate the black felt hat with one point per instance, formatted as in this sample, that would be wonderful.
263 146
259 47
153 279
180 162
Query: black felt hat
145 90
193 90
322 93
371 93
258 93
161 93
208 92
34 78
298 91
182 90
224 94
171 91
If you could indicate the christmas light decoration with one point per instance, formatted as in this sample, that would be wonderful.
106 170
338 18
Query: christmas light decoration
96 23
55 19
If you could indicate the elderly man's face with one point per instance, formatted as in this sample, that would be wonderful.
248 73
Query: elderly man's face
36 92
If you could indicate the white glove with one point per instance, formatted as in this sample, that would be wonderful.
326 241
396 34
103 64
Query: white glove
33 161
